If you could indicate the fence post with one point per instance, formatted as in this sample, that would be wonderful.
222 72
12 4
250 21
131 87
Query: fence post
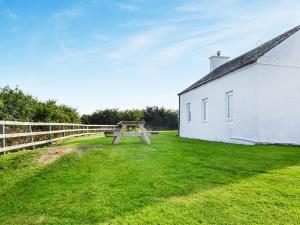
31 136
2 131
50 135
63 134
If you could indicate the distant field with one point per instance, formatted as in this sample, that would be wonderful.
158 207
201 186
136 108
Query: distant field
172 181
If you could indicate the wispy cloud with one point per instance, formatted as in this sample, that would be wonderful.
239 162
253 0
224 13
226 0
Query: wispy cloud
61 21
138 42
138 23
170 40
73 12
173 38
11 15
101 37
127 6
205 6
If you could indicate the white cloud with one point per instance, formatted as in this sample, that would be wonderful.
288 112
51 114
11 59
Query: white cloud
101 37
127 7
11 15
138 23
73 12
60 20
173 38
138 42
205 6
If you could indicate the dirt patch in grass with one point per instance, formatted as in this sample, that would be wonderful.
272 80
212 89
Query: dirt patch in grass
55 153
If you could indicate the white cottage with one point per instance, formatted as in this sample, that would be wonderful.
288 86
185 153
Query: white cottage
254 98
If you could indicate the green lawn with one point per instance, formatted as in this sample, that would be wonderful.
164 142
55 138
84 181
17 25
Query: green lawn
172 181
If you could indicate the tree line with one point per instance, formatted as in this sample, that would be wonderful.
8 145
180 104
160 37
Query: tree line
15 105
155 118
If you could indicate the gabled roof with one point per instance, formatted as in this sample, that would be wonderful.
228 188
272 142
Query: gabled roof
243 60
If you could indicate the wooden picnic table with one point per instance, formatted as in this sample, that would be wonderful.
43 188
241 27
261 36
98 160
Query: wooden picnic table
131 128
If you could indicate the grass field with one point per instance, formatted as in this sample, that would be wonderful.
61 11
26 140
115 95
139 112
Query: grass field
172 181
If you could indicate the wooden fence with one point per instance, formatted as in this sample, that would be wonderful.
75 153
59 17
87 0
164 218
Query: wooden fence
20 135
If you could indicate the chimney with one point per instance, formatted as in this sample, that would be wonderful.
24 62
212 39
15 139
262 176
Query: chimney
217 60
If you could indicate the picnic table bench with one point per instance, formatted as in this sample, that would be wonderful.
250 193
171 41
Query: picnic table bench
130 128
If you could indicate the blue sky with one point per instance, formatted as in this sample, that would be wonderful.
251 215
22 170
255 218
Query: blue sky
95 54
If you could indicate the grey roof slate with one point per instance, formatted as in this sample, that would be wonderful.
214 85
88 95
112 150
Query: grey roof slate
243 60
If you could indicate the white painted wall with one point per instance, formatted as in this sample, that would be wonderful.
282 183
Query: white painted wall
266 101
279 93
242 128
287 53
279 105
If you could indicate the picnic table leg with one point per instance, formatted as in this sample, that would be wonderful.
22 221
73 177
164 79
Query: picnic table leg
119 135
140 137
145 135
116 140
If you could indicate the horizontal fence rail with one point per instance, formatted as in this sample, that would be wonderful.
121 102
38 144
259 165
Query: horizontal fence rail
20 135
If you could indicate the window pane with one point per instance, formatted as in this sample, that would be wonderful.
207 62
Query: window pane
204 109
229 105
189 113
230 111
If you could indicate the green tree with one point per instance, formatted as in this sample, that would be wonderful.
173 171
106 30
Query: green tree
155 117
16 105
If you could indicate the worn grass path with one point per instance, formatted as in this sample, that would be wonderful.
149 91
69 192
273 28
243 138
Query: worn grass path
172 181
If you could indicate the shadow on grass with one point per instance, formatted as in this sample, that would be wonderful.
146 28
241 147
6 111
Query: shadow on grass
97 186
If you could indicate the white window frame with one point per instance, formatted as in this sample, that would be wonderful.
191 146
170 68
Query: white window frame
189 112
205 110
229 106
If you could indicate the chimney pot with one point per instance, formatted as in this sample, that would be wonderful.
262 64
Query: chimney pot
218 53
